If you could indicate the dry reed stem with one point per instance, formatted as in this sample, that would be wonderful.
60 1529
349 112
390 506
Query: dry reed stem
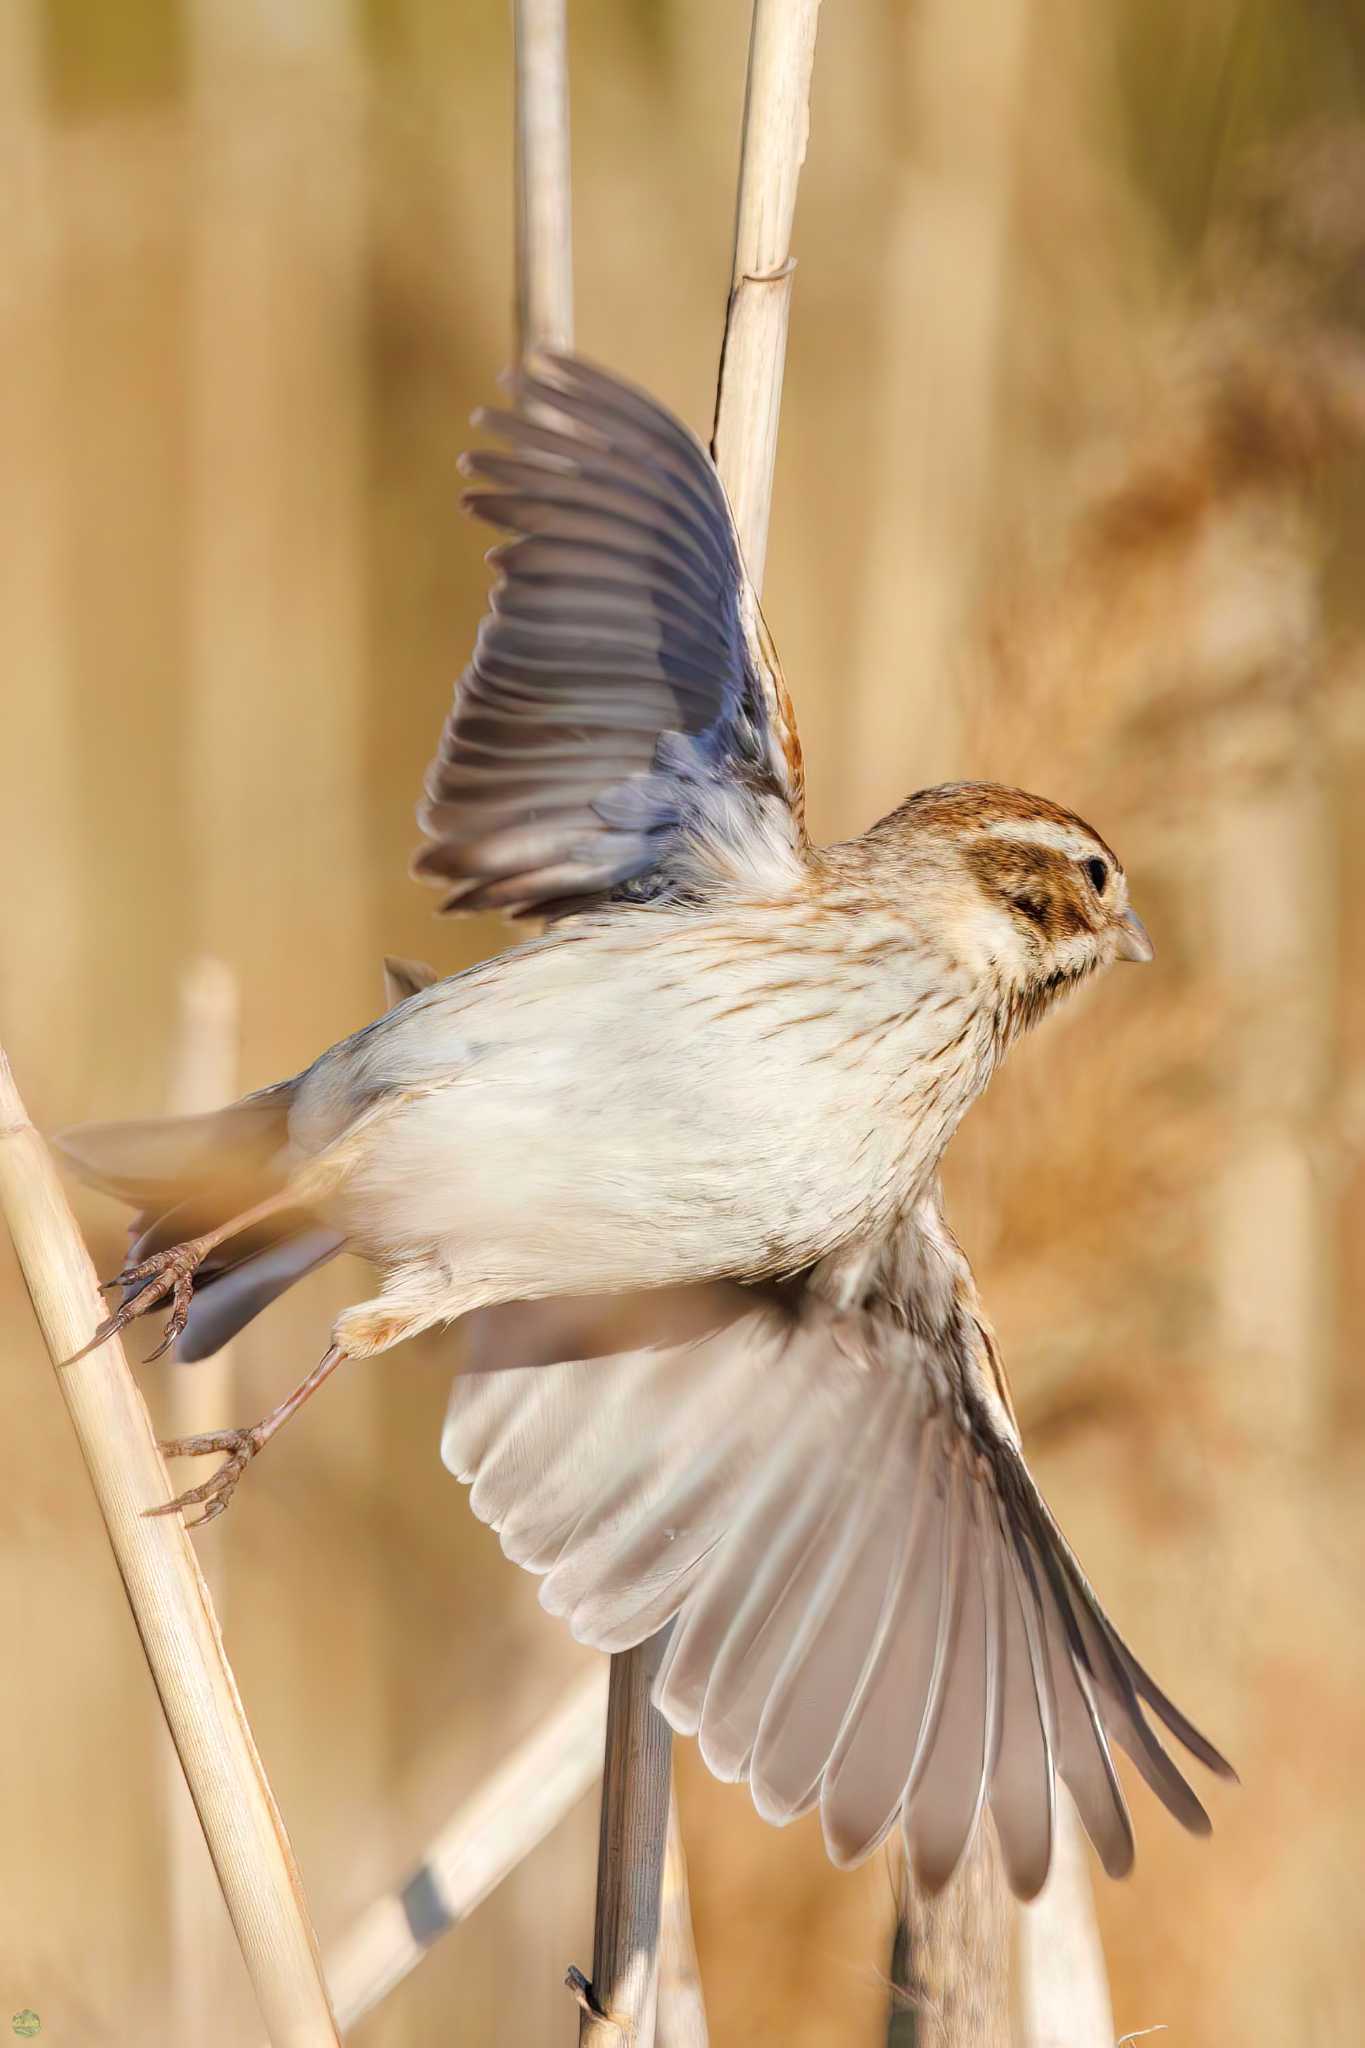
204 1077
636 1781
169 1599
510 1814
544 216
1063 1986
681 2019
749 394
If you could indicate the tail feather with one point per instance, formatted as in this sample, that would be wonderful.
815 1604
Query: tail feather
234 1295
184 1176
160 1161
187 1175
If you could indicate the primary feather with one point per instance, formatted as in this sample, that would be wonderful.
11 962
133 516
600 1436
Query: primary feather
871 1609
622 694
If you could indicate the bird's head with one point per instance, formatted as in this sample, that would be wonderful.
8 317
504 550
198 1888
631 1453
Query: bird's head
1022 892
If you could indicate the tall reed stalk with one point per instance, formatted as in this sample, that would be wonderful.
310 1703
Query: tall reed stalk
544 189
204 1077
167 1594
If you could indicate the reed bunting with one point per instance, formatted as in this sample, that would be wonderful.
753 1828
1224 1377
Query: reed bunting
675 1158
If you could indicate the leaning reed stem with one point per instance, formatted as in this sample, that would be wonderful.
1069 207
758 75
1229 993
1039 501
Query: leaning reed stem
754 348
167 1594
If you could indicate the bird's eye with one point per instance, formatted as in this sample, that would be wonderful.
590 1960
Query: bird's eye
1098 872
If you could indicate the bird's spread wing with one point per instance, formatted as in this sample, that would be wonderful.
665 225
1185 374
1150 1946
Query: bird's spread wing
623 691
872 1608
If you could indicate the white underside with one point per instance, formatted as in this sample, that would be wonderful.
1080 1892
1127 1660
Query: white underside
646 1100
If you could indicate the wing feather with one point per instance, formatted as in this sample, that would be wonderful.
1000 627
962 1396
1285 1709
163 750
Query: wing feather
872 1608
948 1784
1023 1785
864 1779
623 706
789 1591
809 1701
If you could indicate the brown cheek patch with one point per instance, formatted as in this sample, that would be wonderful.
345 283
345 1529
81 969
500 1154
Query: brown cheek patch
1013 868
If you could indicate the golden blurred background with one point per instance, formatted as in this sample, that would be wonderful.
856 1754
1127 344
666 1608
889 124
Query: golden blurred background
1070 493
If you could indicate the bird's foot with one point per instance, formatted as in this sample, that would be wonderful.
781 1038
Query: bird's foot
214 1493
169 1273
241 1446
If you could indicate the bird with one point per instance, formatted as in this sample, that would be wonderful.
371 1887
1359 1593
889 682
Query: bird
673 1162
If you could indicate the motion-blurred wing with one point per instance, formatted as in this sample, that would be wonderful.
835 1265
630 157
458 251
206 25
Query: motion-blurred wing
872 1608
623 693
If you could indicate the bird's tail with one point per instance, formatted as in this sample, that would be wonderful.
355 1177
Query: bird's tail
190 1174
184 1176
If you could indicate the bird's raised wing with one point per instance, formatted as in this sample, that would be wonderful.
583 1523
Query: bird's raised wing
872 1608
623 693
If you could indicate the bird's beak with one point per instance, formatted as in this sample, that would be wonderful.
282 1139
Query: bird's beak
1134 943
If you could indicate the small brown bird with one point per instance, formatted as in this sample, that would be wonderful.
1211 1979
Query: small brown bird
680 1153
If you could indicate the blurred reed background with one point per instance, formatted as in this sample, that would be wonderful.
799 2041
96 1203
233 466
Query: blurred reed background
1070 493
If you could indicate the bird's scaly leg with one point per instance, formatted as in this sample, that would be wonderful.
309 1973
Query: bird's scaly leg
241 1446
414 1297
172 1273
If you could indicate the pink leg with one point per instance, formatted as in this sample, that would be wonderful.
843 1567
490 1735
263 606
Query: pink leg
241 1446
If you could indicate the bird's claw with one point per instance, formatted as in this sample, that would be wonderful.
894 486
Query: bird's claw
166 1273
213 1493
